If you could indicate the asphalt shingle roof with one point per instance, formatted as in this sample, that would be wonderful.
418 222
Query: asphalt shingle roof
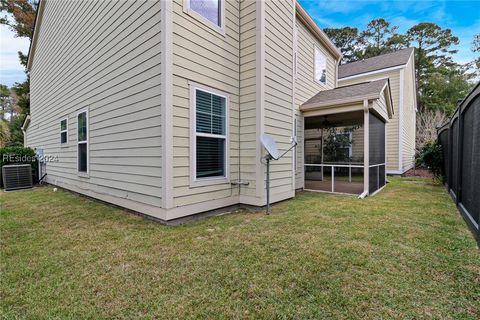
383 61
359 90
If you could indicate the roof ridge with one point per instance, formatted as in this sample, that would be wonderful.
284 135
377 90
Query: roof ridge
377 56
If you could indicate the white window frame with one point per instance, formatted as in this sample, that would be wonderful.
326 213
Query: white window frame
219 28
350 137
87 142
63 144
194 181
315 48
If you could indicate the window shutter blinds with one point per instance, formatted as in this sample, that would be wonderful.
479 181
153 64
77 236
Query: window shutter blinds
210 113
210 120
210 157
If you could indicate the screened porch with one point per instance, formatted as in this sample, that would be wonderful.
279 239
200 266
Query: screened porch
344 145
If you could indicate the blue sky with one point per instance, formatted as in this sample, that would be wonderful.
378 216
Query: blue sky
11 70
463 17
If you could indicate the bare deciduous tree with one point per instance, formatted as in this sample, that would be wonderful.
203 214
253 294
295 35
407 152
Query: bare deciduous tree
427 123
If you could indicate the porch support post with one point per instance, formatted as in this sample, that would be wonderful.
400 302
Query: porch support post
333 178
321 157
366 147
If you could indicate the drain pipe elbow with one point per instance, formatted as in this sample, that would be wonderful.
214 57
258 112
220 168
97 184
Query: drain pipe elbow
363 195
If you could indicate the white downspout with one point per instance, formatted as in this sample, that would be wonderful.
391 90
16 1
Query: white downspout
366 150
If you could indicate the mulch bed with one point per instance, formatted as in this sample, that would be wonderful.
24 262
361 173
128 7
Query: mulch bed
419 172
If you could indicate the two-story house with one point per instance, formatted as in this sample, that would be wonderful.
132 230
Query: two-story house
157 106
399 68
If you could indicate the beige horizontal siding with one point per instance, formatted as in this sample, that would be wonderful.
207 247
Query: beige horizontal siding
393 125
248 103
203 55
103 56
278 89
306 86
409 116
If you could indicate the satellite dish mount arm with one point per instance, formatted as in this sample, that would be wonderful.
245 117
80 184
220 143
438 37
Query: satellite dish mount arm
268 158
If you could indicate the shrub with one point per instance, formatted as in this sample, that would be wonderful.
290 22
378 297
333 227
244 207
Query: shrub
431 157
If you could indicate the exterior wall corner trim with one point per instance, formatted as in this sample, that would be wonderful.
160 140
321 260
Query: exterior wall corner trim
400 120
166 104
260 93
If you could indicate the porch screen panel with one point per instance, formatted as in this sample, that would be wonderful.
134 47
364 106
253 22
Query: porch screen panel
381 175
373 179
376 138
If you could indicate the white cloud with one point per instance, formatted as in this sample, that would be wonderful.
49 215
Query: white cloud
326 23
403 23
410 6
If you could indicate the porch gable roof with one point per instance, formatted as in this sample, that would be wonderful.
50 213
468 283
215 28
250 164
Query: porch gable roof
351 94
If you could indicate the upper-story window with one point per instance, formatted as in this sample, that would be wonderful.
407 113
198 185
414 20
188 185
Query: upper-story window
210 12
320 66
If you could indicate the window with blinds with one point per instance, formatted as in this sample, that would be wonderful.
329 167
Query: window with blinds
82 142
210 135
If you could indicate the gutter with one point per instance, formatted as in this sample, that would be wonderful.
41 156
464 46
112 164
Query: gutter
36 26
368 73
26 123
390 110
24 128
336 103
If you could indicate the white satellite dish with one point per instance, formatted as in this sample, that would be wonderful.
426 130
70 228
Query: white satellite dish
269 143
271 146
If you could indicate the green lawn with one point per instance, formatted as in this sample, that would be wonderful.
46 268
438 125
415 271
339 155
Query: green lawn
404 254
